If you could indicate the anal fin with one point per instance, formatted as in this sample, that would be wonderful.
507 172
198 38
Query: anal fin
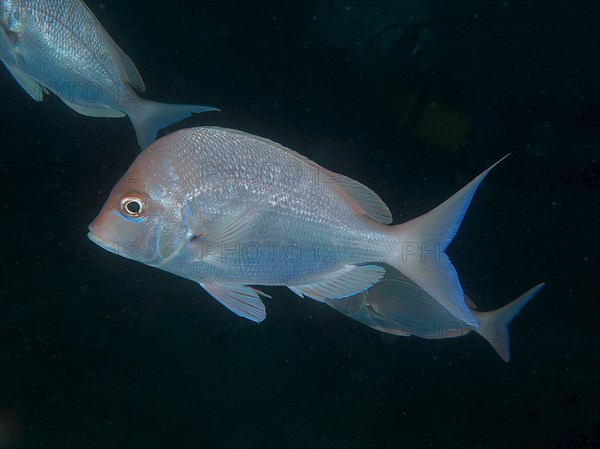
347 281
94 111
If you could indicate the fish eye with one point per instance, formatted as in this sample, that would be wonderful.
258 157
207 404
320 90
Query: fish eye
133 205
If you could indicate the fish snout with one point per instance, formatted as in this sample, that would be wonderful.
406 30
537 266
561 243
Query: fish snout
95 237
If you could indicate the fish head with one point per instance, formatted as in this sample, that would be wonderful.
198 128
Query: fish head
141 219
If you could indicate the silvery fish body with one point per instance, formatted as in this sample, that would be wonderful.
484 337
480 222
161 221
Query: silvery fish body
59 46
228 210
396 305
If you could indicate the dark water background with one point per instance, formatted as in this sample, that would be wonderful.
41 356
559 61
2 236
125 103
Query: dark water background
97 351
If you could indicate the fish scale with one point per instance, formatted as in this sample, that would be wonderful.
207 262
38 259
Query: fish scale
60 47
70 36
321 223
398 306
228 210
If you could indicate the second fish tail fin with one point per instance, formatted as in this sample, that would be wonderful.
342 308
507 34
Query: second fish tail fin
493 325
151 116
421 255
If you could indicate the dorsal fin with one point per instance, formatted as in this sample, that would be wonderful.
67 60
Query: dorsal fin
133 76
361 199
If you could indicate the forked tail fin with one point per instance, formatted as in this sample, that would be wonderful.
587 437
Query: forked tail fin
421 255
150 117
493 326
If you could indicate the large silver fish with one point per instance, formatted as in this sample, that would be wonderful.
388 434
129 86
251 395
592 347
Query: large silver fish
59 46
228 209
398 306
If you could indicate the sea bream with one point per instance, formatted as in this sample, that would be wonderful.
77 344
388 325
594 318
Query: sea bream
59 46
396 305
228 210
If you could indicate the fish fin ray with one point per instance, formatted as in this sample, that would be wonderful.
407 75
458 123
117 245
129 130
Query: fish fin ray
232 230
347 281
361 198
242 300
494 324
388 325
391 330
439 279
35 89
296 291
469 302
150 117
94 111
427 264
442 223
132 75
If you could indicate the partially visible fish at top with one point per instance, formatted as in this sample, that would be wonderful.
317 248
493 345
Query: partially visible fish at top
59 46
228 210
397 306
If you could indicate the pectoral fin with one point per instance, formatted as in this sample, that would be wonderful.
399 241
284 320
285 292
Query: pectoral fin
347 281
29 85
242 300
232 231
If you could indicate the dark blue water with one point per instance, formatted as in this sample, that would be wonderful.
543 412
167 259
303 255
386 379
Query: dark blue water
410 98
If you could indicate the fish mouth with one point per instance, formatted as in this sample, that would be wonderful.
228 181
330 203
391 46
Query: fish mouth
128 250
102 243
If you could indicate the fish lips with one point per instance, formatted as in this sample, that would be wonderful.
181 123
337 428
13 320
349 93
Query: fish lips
129 250
109 246
121 249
